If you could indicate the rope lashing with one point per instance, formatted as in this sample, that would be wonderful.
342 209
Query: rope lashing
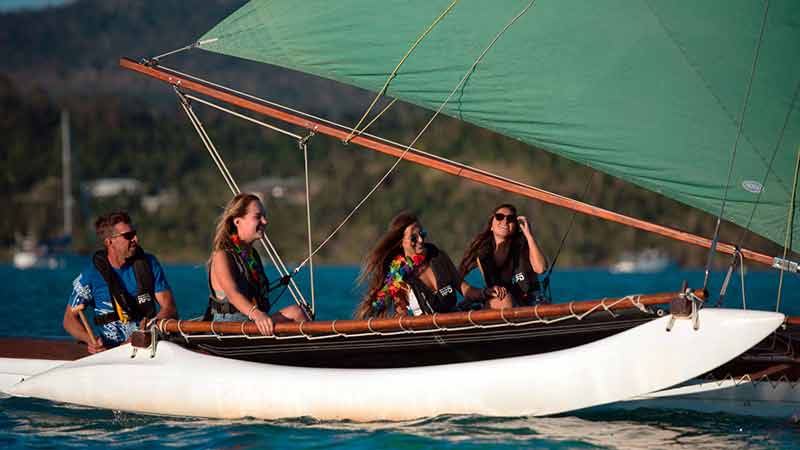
156 59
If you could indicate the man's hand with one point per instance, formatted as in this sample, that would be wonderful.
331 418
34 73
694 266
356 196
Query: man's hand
96 346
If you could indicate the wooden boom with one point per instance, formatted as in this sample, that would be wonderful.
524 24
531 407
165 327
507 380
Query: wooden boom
438 164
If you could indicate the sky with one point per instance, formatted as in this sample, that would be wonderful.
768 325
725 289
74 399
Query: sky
12 5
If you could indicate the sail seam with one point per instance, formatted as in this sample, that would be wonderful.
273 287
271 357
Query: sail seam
778 144
740 127
711 92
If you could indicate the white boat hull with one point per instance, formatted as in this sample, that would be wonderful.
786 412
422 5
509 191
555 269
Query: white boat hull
776 399
180 382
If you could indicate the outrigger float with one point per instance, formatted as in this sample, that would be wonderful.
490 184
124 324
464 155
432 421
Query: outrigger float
696 102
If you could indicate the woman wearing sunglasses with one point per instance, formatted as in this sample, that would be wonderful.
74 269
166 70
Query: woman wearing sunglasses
405 274
507 255
239 287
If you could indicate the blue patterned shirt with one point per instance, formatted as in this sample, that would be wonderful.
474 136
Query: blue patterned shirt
90 289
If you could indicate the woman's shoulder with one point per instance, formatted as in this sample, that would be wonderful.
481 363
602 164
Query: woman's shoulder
220 257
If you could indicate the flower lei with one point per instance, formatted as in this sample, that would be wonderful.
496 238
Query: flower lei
247 257
393 284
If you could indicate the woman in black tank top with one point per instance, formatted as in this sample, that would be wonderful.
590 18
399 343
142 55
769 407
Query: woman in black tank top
508 256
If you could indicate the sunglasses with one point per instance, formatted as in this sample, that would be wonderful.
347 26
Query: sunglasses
414 238
510 218
128 235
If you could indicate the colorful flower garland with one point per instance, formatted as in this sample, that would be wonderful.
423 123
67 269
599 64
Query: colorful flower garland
393 284
247 257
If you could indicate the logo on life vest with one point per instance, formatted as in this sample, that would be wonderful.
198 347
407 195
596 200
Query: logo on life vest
447 290
519 277
143 298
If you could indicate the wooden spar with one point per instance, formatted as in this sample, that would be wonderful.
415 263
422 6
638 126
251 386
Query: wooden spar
792 320
443 166
424 322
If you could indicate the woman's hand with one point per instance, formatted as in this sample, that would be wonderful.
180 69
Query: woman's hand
263 322
495 292
524 226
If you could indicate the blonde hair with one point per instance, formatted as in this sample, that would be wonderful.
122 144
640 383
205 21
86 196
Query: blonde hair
236 207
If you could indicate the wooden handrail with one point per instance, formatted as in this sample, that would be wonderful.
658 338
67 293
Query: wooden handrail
424 322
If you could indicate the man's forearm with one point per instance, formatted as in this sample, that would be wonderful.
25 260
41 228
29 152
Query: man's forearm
75 328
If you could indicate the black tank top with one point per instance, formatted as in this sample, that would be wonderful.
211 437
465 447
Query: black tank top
444 298
521 281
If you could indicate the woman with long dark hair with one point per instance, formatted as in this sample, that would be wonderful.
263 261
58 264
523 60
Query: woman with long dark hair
507 255
239 287
406 274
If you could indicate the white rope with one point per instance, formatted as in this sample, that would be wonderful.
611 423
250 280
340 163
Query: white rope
242 116
787 243
741 273
197 128
424 128
304 145
297 112
234 187
423 35
436 329
740 127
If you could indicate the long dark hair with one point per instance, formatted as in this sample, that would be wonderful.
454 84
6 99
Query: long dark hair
376 264
483 244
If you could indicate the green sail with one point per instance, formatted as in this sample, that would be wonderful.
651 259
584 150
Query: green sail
647 91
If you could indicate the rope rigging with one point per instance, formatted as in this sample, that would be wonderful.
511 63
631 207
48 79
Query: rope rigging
739 130
549 271
789 229
233 186
355 131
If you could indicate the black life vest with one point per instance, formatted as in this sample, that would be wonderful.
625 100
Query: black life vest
444 298
250 288
523 285
127 307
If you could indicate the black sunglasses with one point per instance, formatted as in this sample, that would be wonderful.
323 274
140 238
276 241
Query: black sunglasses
128 235
510 218
417 236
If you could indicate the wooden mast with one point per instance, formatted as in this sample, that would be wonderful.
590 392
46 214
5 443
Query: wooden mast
438 164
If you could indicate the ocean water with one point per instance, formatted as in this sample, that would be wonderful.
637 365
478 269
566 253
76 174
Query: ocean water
35 301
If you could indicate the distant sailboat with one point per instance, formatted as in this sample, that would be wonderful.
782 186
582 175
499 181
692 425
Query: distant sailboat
50 253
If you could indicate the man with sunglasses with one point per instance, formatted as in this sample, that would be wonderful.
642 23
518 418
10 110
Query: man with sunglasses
124 285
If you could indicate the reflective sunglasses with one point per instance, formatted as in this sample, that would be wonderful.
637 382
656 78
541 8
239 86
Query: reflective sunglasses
510 218
417 237
128 235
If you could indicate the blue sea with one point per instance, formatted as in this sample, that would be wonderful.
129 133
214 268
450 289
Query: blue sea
35 301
